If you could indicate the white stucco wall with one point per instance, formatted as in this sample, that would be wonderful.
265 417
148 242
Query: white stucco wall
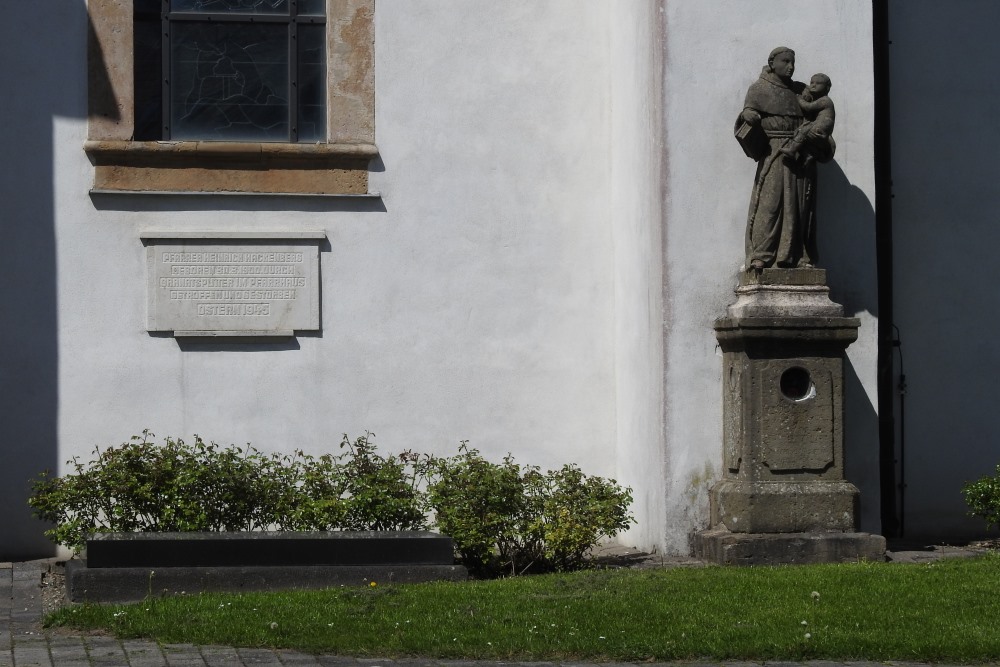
636 60
561 219
460 311
474 300
945 203
714 50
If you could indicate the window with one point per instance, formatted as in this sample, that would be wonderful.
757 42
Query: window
235 70
250 96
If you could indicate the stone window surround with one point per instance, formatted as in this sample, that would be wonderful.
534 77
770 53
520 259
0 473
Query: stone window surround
339 166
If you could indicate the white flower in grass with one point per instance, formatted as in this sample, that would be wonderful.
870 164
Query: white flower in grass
804 623
814 595
274 626
808 636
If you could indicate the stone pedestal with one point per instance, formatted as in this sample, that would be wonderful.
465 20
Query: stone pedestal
783 497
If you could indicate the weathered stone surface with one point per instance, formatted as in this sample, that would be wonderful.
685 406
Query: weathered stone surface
322 180
229 284
783 396
252 549
812 277
110 99
784 498
351 70
784 507
769 336
727 548
778 118
784 292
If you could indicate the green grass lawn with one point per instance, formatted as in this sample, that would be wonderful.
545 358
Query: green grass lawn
946 611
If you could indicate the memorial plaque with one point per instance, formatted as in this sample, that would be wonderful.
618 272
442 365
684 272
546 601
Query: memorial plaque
226 284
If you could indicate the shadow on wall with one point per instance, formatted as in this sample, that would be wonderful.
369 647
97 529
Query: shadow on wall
945 268
846 239
43 48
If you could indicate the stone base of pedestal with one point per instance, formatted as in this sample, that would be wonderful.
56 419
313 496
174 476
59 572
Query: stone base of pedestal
814 506
726 548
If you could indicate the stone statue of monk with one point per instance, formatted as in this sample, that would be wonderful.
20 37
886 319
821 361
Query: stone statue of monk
781 223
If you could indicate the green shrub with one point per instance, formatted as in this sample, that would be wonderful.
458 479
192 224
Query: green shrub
381 493
321 490
577 511
983 498
513 518
142 487
177 487
481 506
502 516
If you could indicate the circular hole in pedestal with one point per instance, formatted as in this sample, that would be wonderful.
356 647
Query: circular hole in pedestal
796 385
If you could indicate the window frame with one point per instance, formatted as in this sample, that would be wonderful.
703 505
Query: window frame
338 166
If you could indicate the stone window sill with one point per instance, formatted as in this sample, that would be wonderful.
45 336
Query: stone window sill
230 167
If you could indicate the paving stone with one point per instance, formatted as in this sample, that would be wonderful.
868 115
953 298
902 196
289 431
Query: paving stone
143 653
258 656
335 660
64 641
32 658
189 658
220 656
182 655
151 661
105 651
289 658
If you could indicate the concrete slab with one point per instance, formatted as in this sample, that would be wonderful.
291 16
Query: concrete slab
278 548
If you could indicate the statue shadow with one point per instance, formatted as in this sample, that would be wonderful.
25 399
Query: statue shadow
846 240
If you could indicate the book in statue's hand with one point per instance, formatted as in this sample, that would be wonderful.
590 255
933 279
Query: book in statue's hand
752 139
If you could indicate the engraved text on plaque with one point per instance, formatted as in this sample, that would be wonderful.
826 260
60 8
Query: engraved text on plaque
247 285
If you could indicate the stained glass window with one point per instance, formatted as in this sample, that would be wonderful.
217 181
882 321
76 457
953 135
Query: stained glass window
230 70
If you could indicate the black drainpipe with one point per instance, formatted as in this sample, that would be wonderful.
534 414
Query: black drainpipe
891 526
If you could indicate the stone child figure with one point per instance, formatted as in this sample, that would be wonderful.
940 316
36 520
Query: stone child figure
820 116
781 222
